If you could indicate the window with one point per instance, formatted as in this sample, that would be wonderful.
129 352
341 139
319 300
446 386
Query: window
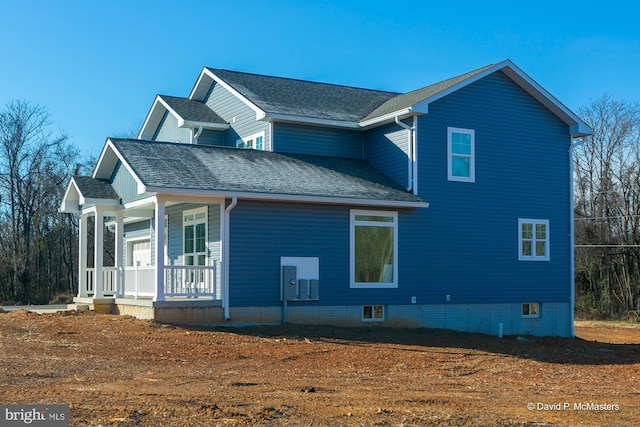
255 142
195 237
373 313
374 249
461 155
530 309
533 240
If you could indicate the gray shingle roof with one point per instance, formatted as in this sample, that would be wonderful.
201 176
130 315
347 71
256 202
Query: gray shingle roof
406 100
192 110
302 98
92 188
224 169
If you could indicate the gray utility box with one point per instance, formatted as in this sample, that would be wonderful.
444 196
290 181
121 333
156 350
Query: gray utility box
289 282
294 289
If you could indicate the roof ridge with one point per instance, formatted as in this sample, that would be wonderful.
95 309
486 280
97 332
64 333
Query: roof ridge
213 70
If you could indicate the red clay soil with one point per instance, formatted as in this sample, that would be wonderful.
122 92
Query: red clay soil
119 371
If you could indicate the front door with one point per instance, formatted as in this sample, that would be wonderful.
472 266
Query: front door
195 244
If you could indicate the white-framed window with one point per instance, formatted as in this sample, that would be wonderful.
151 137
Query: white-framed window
461 163
531 310
255 141
374 249
533 239
195 236
373 313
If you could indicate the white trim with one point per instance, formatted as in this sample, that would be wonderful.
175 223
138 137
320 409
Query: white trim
547 245
389 117
471 157
288 118
530 316
352 225
194 212
576 126
110 146
252 138
373 313
260 114
285 198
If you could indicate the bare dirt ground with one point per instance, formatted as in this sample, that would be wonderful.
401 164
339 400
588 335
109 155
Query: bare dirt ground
119 371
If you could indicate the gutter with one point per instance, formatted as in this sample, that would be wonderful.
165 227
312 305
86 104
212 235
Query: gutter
225 258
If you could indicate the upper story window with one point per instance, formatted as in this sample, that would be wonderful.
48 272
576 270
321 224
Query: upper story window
255 141
374 249
533 240
461 155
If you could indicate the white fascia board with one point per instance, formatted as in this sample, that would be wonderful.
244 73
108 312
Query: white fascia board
576 125
152 120
171 192
205 125
286 118
107 162
389 117
71 201
201 88
260 114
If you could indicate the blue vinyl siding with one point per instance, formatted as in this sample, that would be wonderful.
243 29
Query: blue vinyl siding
387 149
321 141
240 117
467 239
169 131
465 244
211 137
175 247
125 184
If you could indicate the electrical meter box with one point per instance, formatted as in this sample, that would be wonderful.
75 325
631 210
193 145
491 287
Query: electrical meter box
300 278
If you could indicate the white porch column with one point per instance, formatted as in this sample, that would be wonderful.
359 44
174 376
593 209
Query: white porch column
82 256
119 261
159 250
98 249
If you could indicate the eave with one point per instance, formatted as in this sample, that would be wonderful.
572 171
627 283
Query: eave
291 198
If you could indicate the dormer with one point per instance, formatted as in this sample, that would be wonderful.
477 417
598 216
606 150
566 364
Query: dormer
174 119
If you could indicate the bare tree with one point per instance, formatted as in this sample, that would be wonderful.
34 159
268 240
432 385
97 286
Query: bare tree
34 166
607 202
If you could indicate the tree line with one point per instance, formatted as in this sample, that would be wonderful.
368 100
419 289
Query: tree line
607 210
39 245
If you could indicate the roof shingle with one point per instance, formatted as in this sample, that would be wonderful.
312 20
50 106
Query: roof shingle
224 169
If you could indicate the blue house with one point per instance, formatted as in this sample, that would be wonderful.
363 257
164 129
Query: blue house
262 199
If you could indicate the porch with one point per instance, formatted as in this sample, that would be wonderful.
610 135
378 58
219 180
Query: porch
139 282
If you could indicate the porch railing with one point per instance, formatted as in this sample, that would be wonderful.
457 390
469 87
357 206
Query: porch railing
179 281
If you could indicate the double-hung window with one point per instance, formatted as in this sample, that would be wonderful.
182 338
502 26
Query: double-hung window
195 237
255 141
461 164
374 249
533 239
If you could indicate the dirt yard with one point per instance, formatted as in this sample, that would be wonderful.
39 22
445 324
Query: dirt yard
119 371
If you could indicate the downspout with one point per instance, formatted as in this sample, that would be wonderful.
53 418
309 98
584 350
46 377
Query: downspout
195 134
225 258
411 154
572 243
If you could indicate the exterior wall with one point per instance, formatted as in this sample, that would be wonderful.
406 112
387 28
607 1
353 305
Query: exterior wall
387 149
211 137
241 118
465 244
169 131
125 185
321 141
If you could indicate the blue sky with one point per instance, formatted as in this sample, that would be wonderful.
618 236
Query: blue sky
97 65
